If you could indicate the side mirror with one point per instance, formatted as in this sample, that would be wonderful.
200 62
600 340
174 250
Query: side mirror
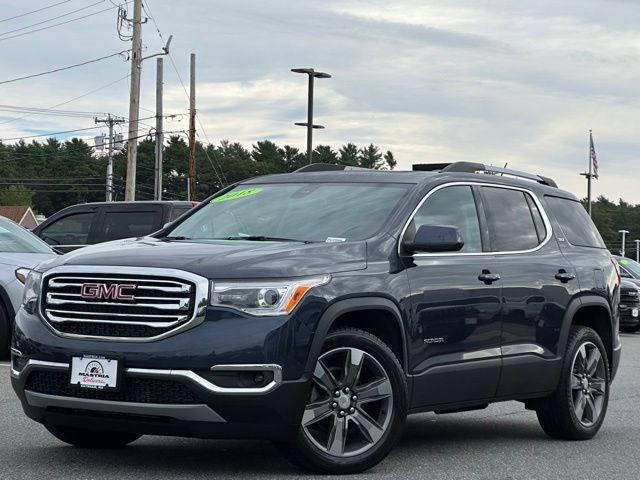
435 238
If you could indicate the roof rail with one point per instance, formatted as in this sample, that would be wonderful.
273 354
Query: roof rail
327 167
472 167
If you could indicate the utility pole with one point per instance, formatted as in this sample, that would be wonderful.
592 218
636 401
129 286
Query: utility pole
624 237
590 175
309 123
637 250
110 121
134 101
191 195
157 190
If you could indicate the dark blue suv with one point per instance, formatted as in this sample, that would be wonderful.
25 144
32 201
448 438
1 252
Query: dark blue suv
319 308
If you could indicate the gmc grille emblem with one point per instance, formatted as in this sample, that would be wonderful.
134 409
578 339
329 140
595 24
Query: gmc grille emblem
115 291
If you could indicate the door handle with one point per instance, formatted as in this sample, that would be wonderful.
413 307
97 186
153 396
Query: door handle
488 278
564 276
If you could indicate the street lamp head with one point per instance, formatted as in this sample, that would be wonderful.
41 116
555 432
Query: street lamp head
311 71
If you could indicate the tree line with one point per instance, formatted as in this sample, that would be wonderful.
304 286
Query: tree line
51 175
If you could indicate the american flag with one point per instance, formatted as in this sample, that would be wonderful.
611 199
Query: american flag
594 159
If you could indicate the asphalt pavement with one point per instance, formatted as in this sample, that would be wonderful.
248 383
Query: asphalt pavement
503 441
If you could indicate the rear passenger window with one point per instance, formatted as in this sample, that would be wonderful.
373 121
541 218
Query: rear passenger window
510 220
574 220
119 225
452 206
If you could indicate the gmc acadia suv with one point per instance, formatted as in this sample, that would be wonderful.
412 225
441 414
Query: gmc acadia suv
319 308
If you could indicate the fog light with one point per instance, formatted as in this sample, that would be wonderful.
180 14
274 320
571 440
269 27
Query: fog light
258 378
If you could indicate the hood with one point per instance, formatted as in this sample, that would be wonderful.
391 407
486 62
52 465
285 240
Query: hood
24 260
224 259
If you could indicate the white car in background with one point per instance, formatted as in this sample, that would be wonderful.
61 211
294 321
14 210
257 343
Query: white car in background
20 251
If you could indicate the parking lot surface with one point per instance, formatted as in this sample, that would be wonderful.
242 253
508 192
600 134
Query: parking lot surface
503 441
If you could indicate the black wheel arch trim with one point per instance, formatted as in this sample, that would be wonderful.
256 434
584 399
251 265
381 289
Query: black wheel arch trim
5 302
341 307
575 305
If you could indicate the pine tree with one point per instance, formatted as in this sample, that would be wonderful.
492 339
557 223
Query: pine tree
390 160
370 157
324 154
349 154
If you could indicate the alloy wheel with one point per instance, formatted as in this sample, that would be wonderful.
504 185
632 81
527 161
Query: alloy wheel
351 403
588 384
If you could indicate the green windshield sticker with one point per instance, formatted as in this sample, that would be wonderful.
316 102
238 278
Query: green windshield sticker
623 261
237 194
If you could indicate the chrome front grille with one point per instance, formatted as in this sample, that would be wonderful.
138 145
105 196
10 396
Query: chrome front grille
123 305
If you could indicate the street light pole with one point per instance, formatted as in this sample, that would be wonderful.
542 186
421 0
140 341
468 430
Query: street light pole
312 74
637 250
624 237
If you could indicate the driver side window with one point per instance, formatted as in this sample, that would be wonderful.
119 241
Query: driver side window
70 230
453 206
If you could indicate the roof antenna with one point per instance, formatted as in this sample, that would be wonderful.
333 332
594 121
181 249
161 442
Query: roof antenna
505 166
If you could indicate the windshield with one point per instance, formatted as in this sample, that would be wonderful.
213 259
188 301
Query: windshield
15 239
311 212
630 266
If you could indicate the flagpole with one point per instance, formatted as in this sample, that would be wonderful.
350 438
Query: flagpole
590 172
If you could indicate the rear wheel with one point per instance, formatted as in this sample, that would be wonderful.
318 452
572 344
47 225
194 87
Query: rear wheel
90 438
357 406
5 332
577 408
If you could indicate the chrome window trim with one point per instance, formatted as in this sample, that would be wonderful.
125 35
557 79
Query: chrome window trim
534 197
201 298
179 374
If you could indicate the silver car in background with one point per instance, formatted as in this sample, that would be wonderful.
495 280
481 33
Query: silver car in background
20 251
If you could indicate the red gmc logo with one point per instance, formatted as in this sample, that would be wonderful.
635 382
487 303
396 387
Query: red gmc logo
114 291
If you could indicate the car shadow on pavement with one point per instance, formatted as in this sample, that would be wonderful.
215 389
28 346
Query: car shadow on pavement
426 438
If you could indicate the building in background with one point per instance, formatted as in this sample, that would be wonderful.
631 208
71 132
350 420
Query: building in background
21 214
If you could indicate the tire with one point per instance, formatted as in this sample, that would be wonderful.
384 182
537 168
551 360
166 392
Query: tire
561 417
374 421
89 438
5 332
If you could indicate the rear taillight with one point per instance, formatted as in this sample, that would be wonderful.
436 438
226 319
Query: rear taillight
616 267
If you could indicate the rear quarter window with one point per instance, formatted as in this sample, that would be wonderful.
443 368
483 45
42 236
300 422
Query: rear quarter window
576 225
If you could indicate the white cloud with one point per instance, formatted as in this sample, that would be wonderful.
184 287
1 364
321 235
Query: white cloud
485 80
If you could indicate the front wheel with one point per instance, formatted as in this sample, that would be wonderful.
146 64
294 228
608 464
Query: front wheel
357 407
90 438
577 408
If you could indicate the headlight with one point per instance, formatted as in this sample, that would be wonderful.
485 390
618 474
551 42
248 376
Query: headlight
277 297
22 274
31 291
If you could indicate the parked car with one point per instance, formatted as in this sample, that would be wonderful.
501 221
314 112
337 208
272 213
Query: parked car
319 308
629 269
20 251
629 306
90 223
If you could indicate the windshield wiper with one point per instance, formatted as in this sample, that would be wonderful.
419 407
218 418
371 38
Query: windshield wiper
263 238
179 237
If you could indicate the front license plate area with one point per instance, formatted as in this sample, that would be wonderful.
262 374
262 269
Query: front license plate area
94 372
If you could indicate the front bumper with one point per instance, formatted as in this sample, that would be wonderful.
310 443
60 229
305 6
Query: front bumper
159 410
178 367
627 319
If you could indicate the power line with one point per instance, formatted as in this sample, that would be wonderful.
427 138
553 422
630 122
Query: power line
63 68
73 99
147 9
50 19
56 24
95 127
33 11
48 111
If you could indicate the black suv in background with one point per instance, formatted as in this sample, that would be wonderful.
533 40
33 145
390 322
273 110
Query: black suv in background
90 223
319 308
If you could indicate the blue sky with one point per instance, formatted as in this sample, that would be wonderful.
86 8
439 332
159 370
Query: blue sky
493 81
